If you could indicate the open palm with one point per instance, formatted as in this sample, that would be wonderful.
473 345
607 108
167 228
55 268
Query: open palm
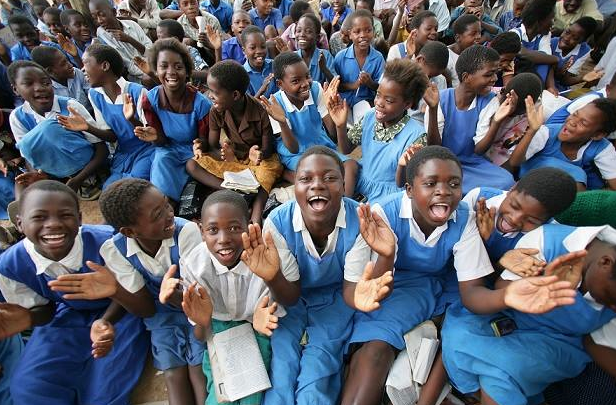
197 305
260 254
370 291
568 267
99 284
537 295
375 231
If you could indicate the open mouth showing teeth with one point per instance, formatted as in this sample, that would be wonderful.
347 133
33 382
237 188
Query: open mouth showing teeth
54 239
505 226
440 211
318 202
226 253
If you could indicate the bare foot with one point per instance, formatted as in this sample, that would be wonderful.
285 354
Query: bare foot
226 153
254 154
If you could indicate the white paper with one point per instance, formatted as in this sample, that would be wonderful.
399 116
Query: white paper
425 358
242 181
240 368
399 387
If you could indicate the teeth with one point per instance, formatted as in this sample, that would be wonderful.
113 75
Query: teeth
53 237
225 252
318 197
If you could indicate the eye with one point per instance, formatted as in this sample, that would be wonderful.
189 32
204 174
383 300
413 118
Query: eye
429 183
234 228
212 230
304 179
454 184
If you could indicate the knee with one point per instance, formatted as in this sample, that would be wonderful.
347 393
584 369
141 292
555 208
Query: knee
351 167
192 166
377 353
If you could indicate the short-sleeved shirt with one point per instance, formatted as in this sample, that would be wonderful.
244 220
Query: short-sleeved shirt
289 107
274 18
192 32
76 88
496 10
329 14
223 12
545 45
98 115
126 50
148 17
256 78
254 125
563 19
484 115
579 56
231 49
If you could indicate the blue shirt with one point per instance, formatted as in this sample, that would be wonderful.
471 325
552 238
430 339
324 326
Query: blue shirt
285 7
224 13
76 88
274 18
21 52
173 6
485 18
256 78
231 49
329 14
508 22
347 67
315 68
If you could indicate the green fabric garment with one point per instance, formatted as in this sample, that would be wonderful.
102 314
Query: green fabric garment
591 208
266 354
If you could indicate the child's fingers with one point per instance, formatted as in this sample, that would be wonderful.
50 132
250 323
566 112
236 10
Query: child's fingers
268 240
271 326
368 270
246 243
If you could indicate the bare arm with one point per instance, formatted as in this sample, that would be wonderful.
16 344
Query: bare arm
604 356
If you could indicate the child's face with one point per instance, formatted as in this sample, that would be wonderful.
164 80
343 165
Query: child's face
471 36
78 29
363 5
94 71
222 99
412 8
435 192
222 225
162 33
519 212
518 6
429 69
389 103
427 31
338 5
571 6
599 279
239 22
62 69
50 220
505 59
155 221
26 34
264 7
171 71
54 24
583 125
34 86
571 37
362 33
482 81
305 34
254 49
103 15
319 187
189 7
296 82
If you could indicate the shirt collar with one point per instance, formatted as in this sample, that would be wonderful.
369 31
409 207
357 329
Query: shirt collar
582 236
290 107
132 247
73 260
249 68
123 89
55 108
406 211
299 224
574 52
239 269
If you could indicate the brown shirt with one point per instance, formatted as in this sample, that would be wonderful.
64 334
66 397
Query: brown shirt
254 125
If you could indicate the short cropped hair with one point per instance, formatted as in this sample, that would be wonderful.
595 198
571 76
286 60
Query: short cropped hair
409 76
435 54
226 197
322 150
284 60
105 53
474 58
553 188
230 75
119 203
426 154
507 42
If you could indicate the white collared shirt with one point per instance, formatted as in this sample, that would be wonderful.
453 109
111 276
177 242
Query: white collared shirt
19 130
355 259
487 111
451 67
148 17
18 293
123 83
234 292
128 276
471 259
289 107
126 50
440 9
544 44
582 101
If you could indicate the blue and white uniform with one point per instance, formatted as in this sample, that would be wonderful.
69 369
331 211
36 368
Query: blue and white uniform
10 352
541 43
314 67
579 55
347 67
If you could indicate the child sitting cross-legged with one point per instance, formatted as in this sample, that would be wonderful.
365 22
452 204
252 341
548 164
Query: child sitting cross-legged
250 143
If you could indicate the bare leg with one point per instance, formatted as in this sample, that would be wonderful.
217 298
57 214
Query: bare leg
367 374
197 379
351 168
435 383
203 176
258 205
486 399
179 386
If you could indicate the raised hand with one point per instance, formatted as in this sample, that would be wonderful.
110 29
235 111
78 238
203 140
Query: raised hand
485 219
146 134
260 253
128 107
330 90
197 305
273 108
338 110
13 319
213 37
169 285
74 122
67 45
568 267
263 320
99 284
246 5
408 154
375 231
537 295
197 144
410 44
534 114
102 334
142 64
522 262
507 107
370 291
255 155
432 95
226 153
281 46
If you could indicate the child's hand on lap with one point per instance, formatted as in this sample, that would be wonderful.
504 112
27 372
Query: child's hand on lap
370 291
485 219
197 148
102 334
128 106
169 285
432 96
375 231
13 319
260 253
197 305
522 262
273 108
146 134
86 286
507 107
226 153
534 114
263 320
568 267
74 122
255 155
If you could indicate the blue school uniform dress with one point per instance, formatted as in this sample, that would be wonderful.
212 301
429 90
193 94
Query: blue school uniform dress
377 178
81 50
132 157
582 170
10 352
516 368
57 367
21 52
51 148
315 69
307 127
256 78
173 341
458 135
347 67
424 279
7 193
533 45
223 12
168 172
231 49
578 55
312 375
285 7
274 18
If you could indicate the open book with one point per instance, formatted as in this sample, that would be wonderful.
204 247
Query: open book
237 366
244 181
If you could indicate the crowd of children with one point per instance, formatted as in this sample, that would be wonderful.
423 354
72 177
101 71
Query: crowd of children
335 174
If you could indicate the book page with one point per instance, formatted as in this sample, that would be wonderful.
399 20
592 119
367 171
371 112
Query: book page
244 180
240 360
217 373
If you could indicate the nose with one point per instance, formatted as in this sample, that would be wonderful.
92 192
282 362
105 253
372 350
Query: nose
224 236
52 222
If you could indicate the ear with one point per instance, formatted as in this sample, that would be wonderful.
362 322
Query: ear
465 76
14 89
409 190
606 263
18 223
279 83
420 59
127 231
236 95
106 66
598 136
